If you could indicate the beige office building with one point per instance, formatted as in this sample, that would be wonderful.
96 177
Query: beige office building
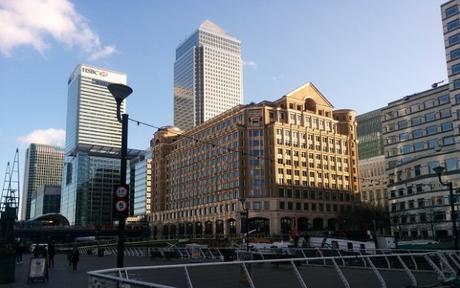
295 157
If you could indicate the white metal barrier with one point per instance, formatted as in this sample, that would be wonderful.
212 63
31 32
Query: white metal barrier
435 263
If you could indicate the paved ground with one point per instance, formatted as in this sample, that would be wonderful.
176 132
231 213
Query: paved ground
266 275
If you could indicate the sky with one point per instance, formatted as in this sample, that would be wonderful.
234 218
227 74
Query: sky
361 54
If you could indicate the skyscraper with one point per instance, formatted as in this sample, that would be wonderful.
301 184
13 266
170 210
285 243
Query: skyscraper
208 77
43 166
371 158
93 141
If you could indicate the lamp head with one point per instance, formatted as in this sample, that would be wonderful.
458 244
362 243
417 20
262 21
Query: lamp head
438 170
119 91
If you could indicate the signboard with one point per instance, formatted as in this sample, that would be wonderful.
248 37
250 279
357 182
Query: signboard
37 269
121 200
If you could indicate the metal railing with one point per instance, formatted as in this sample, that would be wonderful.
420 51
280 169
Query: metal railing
380 270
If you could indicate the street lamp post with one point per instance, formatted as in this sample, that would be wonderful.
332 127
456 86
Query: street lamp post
439 171
246 224
120 92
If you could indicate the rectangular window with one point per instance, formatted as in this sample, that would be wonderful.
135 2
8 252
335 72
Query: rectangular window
455 69
457 84
416 121
430 116
452 25
451 11
447 126
431 166
402 124
444 113
432 143
457 97
419 146
454 39
417 133
444 98
448 140
404 136
431 130
455 54
451 164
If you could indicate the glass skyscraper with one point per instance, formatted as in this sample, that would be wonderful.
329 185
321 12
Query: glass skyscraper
370 134
43 166
208 77
93 141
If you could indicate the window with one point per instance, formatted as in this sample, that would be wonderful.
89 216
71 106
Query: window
431 166
452 25
431 130
402 124
446 126
455 54
457 97
451 164
406 149
281 205
444 113
419 146
455 68
417 133
448 140
404 136
432 143
430 116
451 11
454 39
416 120
457 84
417 171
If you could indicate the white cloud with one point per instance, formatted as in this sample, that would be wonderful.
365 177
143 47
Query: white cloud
250 64
50 136
31 22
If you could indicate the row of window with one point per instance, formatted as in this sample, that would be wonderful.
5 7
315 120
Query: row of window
320 207
441 100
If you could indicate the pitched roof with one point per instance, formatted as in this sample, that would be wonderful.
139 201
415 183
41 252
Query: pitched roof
309 90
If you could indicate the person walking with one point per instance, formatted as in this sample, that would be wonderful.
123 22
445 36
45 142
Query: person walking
75 258
51 253
19 252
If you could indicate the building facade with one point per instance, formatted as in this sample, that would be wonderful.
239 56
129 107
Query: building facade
372 159
294 157
93 142
43 166
141 183
208 77
419 136
47 199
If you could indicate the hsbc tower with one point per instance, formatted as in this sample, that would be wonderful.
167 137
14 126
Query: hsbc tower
93 141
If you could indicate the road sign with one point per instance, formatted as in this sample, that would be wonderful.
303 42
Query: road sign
121 200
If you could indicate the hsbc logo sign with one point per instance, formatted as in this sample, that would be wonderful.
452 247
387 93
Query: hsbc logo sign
94 72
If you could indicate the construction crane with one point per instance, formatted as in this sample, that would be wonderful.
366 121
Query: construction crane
10 191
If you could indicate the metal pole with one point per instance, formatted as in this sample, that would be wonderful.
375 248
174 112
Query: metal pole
453 215
121 220
247 229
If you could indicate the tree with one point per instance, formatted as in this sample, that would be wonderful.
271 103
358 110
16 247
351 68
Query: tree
363 218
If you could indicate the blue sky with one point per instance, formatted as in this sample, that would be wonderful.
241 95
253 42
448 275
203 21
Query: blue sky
361 54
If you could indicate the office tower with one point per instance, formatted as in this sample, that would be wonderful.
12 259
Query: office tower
293 157
47 199
208 78
93 141
141 184
419 136
372 159
43 166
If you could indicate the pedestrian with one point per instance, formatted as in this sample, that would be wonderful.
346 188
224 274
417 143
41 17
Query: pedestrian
75 258
19 251
69 257
51 253
37 250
